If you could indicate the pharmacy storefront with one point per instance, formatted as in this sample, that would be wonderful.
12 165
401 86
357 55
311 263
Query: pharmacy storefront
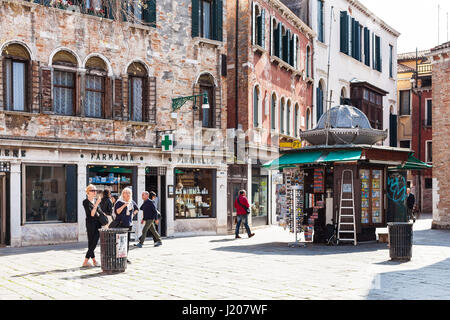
46 187
196 192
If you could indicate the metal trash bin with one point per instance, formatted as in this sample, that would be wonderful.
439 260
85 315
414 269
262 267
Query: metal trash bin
400 240
113 249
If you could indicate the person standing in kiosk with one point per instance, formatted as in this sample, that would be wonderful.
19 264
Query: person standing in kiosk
242 210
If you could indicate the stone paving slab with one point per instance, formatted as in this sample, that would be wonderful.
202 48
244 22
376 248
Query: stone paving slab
220 267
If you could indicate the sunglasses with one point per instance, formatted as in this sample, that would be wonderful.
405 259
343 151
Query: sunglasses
92 190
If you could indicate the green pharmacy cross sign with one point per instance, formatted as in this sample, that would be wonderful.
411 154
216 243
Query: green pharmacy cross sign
167 142
177 103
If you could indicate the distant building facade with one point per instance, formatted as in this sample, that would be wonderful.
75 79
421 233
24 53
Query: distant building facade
440 61
363 59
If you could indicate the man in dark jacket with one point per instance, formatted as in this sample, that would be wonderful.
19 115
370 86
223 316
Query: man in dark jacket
410 201
150 216
242 209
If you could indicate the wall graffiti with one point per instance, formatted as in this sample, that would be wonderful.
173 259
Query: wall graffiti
396 187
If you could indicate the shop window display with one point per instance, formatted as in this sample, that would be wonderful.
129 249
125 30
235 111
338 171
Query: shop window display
45 188
194 193
113 178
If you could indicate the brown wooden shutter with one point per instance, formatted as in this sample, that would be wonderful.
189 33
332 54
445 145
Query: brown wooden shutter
118 99
29 87
218 108
146 100
35 87
2 84
153 100
108 98
46 90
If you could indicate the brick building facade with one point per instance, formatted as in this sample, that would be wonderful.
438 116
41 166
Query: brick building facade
269 94
415 120
85 88
440 60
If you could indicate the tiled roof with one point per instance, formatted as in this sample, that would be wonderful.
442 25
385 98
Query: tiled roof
412 55
441 46
401 68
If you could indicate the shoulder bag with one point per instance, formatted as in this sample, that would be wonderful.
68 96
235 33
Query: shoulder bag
246 209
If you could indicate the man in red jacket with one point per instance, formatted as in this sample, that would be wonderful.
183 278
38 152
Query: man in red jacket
243 209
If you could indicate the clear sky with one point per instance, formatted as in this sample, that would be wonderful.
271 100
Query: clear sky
416 20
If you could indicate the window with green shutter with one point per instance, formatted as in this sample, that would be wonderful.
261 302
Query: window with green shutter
367 46
207 19
320 33
344 32
149 13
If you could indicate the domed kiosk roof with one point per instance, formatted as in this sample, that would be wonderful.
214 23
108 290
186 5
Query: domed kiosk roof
344 116
347 125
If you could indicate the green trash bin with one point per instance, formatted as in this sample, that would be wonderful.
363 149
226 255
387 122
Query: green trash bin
400 240
113 249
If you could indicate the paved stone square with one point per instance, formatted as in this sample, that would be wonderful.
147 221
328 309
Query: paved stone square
220 267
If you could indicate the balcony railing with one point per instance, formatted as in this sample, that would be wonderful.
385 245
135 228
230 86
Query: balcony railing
99 8
424 68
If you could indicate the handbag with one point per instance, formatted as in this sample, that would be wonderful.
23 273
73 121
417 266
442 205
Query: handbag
246 209
115 224
102 218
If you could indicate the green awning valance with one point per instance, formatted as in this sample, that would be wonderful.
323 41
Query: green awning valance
291 159
340 155
304 157
414 164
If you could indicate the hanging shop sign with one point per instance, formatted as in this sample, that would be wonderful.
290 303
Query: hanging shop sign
293 144
167 142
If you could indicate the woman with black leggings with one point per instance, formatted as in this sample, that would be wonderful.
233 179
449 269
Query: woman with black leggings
91 206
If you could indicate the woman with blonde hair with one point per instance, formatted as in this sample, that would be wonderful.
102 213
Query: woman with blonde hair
92 208
125 209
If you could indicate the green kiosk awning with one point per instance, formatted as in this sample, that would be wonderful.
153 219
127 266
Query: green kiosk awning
304 157
414 164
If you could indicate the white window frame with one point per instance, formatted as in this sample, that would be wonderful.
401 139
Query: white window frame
426 109
426 150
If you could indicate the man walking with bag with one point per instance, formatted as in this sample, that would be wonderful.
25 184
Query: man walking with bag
150 216
242 210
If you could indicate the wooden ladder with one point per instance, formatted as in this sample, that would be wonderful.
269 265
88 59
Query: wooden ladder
346 215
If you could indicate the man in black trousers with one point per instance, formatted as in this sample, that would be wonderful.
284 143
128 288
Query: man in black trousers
150 216
410 201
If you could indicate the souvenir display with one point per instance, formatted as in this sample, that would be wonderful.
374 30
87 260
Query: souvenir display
319 180
371 200
376 199
294 199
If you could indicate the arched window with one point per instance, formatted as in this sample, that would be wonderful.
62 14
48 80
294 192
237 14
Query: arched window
308 119
137 93
256 106
308 61
64 82
274 111
282 115
288 120
16 62
296 120
96 72
207 86
343 96
319 100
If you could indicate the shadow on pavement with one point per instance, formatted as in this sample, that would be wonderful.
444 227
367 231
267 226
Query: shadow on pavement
277 248
432 237
41 273
9 251
430 282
